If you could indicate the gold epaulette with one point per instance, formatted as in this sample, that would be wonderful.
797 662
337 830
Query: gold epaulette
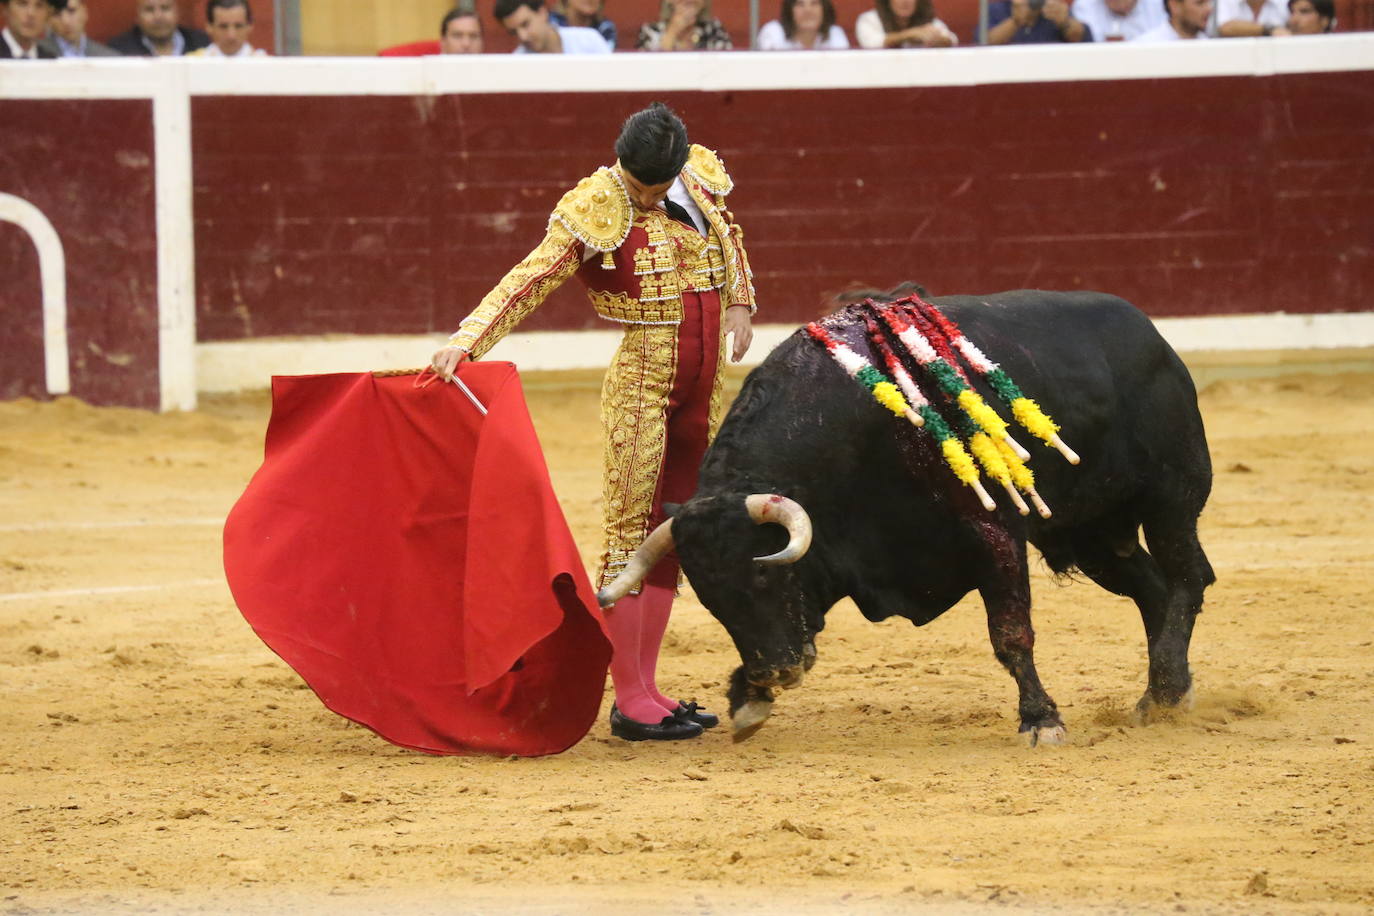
597 212
705 166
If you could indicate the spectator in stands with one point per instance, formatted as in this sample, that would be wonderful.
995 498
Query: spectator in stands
585 14
26 25
803 25
902 24
157 34
528 21
1187 20
1033 22
460 33
684 25
1119 20
1248 19
1311 17
68 38
229 22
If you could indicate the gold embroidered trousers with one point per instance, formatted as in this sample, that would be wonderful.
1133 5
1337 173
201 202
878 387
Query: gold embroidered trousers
660 408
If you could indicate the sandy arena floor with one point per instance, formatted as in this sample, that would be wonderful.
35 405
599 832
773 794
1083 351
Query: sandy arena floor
156 757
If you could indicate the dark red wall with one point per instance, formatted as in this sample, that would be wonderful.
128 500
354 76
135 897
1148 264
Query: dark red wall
88 165
1198 196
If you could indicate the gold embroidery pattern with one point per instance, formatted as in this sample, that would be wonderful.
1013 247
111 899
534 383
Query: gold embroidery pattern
597 212
737 283
705 166
688 252
634 399
620 307
718 385
520 292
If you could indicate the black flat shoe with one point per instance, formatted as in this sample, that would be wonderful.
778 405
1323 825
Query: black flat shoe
670 729
691 712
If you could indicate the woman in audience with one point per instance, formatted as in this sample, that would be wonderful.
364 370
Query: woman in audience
1308 17
587 15
684 25
902 24
803 25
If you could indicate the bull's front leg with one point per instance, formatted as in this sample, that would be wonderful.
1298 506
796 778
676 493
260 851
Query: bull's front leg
1006 595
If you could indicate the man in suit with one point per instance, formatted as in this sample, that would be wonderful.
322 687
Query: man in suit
68 38
26 24
156 32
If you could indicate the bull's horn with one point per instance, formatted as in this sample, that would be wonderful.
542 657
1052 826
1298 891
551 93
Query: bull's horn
769 507
658 543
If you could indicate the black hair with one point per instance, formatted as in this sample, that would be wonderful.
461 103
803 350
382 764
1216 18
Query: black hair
459 12
789 24
504 8
1325 9
226 5
653 144
925 12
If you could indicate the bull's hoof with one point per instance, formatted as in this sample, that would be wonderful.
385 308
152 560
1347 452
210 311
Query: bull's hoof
748 719
1152 707
1048 733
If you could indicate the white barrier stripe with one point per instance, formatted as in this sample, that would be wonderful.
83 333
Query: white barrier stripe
176 282
716 71
92 526
52 278
107 590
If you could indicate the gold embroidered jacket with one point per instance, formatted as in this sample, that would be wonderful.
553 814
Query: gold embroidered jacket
644 265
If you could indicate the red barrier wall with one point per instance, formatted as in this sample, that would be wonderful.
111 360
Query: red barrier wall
1186 196
88 165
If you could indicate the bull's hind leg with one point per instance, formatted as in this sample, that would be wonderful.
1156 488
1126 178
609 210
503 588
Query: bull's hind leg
1006 596
1112 557
1174 544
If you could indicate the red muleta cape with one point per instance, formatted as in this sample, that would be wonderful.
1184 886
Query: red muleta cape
408 558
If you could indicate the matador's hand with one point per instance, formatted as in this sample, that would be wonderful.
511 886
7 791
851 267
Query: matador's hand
446 360
737 323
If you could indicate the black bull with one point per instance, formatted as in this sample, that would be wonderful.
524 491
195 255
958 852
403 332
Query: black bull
894 531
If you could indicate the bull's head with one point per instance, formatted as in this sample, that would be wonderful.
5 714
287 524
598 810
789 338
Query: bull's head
749 589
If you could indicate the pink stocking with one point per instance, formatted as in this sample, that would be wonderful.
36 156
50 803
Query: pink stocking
656 602
625 622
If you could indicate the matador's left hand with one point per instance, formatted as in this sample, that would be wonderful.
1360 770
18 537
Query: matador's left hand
737 323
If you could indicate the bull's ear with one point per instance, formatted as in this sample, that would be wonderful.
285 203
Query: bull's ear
672 509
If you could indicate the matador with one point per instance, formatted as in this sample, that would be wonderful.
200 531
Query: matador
660 254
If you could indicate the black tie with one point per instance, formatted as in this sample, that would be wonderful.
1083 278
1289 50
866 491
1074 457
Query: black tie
678 212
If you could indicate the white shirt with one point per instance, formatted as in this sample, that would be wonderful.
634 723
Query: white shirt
1273 14
869 32
17 52
245 50
1164 32
576 40
679 195
772 37
1145 15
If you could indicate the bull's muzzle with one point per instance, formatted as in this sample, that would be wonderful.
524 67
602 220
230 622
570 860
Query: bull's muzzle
751 700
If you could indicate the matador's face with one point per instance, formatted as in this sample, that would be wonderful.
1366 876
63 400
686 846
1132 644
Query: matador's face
644 196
